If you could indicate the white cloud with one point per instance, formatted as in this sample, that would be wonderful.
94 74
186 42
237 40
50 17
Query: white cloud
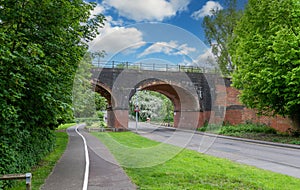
99 9
207 9
184 49
169 48
118 39
207 59
180 5
150 10
113 39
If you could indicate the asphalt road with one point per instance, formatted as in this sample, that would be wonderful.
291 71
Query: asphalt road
274 158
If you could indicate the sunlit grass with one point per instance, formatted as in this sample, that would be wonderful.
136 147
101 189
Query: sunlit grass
188 169
65 126
134 152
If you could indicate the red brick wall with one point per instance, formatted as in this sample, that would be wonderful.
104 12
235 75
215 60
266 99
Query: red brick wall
243 115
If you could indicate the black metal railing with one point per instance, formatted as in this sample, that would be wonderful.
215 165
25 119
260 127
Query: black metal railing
152 67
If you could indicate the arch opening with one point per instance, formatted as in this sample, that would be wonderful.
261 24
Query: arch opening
109 116
152 107
186 104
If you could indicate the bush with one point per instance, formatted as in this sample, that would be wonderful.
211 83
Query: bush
103 124
294 132
247 128
20 149
207 127
100 115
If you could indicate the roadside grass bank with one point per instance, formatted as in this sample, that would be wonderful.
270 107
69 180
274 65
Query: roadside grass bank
254 131
187 169
41 171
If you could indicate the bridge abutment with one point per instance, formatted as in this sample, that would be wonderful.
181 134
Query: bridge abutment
186 119
117 118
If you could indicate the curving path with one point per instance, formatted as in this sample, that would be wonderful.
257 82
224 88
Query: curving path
74 172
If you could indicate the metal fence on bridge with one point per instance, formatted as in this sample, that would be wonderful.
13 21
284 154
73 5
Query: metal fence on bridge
152 67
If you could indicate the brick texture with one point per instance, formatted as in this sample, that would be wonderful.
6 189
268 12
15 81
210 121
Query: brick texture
236 113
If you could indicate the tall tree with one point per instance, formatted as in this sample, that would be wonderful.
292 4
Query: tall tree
42 42
85 101
98 55
218 29
266 53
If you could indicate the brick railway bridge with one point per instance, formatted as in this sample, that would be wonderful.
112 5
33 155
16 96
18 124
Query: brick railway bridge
197 97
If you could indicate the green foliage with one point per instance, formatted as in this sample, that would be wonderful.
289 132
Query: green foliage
22 149
100 115
218 30
246 128
266 53
101 102
44 168
254 131
207 127
235 130
294 132
42 42
97 56
152 105
85 100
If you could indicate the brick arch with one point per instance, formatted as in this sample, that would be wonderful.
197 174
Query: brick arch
106 92
176 93
186 104
103 90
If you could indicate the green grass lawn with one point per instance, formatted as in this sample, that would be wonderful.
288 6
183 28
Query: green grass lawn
186 169
44 168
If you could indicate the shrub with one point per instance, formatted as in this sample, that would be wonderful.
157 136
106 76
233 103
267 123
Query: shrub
100 115
20 149
247 128
294 132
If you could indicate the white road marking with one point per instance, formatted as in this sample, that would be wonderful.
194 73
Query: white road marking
87 161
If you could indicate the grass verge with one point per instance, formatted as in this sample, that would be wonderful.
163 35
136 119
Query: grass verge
189 169
252 131
44 168
65 126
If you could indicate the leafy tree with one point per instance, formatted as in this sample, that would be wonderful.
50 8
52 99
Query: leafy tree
42 41
152 105
168 110
100 102
85 101
98 55
218 30
266 54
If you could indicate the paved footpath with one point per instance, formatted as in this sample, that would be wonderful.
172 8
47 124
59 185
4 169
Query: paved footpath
103 172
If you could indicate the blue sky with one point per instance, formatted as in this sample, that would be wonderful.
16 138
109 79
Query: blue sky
160 31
